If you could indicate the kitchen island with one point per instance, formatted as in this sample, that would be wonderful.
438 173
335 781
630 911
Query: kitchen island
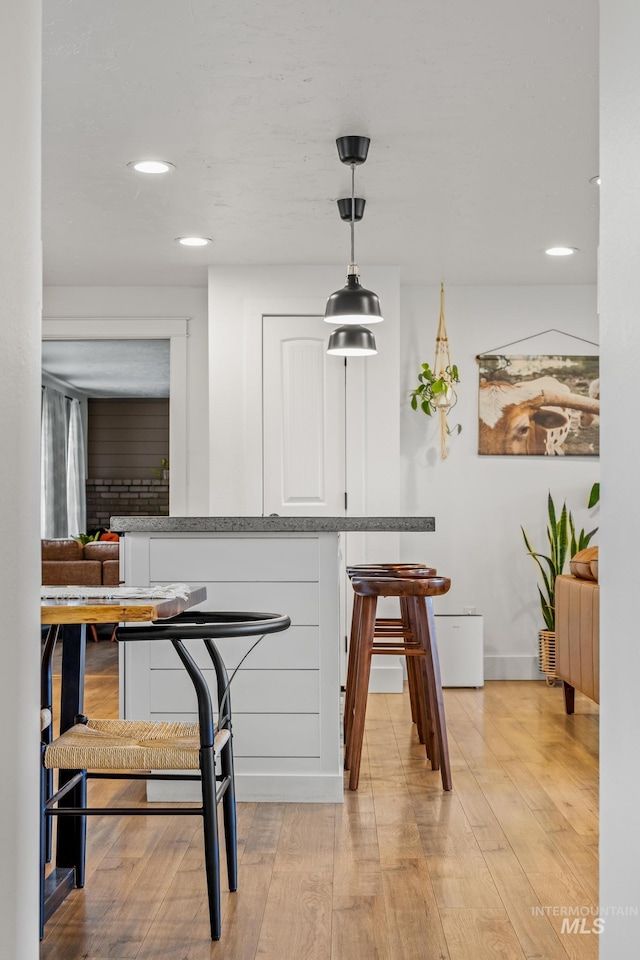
286 694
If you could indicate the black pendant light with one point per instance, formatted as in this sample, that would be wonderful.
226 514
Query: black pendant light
353 305
352 340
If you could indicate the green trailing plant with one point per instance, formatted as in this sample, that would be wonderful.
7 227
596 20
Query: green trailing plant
88 537
564 543
436 392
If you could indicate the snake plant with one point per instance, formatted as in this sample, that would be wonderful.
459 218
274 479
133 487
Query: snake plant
564 543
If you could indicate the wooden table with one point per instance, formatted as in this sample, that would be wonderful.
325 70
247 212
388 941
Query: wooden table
74 615
113 610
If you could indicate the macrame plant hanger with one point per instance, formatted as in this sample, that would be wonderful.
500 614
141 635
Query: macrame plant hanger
441 365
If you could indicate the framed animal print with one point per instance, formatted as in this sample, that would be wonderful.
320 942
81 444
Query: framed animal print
539 406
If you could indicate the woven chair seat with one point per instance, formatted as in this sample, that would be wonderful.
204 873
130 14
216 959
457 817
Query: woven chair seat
129 745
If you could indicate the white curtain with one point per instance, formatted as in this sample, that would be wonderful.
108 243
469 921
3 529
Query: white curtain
53 444
76 498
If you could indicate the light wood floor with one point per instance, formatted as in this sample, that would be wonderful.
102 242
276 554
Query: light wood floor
401 871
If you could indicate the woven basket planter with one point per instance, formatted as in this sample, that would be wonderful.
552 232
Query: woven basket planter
547 655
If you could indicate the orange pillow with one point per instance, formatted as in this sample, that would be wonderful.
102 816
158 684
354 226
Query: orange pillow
109 536
580 565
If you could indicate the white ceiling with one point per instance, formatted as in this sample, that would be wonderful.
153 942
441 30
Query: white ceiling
110 368
483 119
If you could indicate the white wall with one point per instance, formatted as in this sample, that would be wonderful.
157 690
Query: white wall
141 302
20 295
620 635
238 297
480 502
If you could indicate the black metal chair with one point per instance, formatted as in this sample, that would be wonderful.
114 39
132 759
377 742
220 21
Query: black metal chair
103 749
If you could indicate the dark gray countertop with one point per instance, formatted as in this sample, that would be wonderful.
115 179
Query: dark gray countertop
272 524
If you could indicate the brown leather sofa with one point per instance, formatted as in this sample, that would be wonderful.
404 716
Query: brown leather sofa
67 562
577 628
108 554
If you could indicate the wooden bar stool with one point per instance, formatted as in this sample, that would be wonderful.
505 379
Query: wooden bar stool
416 594
387 630
393 636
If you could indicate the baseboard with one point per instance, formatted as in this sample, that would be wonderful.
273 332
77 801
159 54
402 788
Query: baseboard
257 788
296 789
512 668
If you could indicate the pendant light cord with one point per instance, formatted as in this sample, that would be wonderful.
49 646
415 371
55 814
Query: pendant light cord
353 211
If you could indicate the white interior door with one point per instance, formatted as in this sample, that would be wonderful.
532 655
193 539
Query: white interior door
303 419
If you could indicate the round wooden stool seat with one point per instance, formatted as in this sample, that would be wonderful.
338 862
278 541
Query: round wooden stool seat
391 571
413 586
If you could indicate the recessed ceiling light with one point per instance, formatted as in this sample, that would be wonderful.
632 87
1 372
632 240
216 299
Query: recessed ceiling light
561 251
151 166
595 180
194 241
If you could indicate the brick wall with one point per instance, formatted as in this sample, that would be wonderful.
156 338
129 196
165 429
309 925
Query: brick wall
125 498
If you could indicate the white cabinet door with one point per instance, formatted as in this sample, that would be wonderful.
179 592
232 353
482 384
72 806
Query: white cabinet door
304 419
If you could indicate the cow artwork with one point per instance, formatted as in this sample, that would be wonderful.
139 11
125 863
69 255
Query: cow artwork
539 406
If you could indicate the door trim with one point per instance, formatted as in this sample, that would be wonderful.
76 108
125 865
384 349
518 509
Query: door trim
176 331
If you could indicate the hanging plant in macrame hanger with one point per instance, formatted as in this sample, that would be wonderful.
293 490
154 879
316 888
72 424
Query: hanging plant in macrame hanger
436 392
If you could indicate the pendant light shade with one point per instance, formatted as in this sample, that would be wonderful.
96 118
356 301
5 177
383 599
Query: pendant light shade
352 341
353 304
